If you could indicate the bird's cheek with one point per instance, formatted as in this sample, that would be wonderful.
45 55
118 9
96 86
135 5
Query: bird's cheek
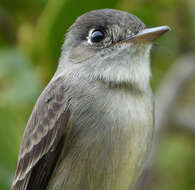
79 54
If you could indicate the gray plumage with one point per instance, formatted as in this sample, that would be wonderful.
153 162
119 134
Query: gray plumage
91 127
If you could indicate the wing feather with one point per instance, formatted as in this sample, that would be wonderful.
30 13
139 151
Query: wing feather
43 138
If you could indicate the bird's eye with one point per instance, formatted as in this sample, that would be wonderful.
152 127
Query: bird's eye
97 36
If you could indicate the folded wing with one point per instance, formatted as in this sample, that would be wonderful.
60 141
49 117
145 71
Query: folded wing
43 138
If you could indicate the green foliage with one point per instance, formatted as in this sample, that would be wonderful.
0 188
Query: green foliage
19 87
176 169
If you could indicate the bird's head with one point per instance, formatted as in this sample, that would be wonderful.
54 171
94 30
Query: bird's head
112 46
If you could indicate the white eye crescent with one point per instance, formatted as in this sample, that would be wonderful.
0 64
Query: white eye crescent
95 36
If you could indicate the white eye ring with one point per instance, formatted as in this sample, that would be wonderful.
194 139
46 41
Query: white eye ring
89 36
95 36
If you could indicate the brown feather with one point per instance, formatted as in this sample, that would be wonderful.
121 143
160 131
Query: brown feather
43 138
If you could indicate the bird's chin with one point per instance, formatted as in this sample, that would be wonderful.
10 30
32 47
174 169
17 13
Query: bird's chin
127 65
121 65
131 50
136 48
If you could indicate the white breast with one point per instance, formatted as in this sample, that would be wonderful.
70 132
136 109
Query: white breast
132 128
110 138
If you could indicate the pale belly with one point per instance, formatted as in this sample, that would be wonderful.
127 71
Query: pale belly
109 155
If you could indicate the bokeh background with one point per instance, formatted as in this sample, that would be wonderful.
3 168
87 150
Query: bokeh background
31 35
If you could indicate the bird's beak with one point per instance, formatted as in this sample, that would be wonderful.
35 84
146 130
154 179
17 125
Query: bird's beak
148 34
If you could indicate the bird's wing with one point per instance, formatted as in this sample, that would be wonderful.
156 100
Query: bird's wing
43 138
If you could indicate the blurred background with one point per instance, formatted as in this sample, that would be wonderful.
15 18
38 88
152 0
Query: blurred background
31 35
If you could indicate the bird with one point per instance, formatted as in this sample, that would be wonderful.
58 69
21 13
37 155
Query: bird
92 126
